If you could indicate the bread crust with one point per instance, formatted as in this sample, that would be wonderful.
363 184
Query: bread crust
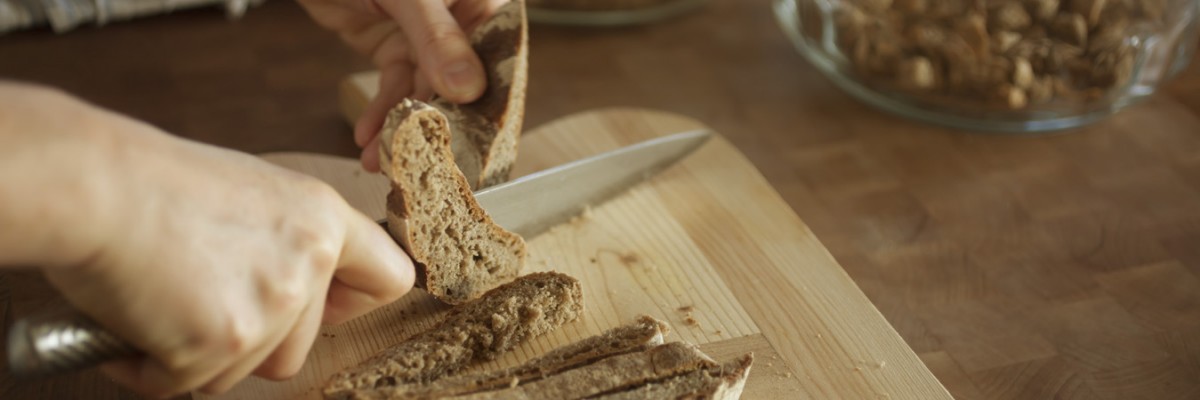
458 250
640 335
479 330
486 131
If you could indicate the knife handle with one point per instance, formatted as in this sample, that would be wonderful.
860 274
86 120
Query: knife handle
56 343
67 341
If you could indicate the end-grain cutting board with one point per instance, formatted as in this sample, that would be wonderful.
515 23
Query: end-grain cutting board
707 245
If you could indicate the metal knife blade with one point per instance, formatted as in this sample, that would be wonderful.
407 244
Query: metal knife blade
68 341
537 202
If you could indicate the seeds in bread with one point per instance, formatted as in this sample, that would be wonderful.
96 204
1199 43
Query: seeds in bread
459 251
608 375
487 130
479 330
723 383
644 333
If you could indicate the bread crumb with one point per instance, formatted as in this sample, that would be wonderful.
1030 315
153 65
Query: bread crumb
718 332
770 364
583 217
857 369
629 258
818 336
691 321
687 309
880 364
787 374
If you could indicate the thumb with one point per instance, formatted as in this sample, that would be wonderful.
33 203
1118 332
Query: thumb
372 272
442 50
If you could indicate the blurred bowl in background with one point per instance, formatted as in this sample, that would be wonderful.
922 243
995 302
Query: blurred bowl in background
997 65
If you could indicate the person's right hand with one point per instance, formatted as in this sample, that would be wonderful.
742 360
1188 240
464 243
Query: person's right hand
214 263
419 46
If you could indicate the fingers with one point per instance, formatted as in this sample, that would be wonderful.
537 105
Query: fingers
440 46
370 156
150 378
395 83
288 358
372 272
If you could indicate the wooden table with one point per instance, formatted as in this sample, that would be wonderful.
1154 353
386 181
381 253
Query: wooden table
1016 267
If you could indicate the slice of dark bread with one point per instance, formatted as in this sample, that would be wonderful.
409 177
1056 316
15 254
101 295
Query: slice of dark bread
642 334
479 330
486 131
608 375
459 252
723 383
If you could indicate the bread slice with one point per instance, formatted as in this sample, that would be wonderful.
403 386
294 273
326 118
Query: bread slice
608 375
724 383
479 330
486 131
644 333
460 253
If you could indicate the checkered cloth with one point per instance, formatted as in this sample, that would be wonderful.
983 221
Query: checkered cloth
63 15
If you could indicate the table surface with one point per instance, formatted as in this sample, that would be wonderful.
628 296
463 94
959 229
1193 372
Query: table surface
1016 267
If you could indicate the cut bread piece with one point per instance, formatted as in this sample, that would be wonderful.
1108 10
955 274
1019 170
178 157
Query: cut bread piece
644 333
608 375
487 130
724 383
459 251
479 330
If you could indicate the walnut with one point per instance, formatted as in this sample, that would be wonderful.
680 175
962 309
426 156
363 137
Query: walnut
1070 28
916 73
973 30
1089 9
1009 16
910 6
1022 76
1111 33
1041 90
1043 10
850 23
1003 41
1012 96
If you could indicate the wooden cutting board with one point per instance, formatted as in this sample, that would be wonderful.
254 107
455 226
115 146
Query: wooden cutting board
707 245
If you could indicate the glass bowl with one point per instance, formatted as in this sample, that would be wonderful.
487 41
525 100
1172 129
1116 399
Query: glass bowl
995 65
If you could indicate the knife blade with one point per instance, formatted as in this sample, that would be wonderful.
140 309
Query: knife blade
62 342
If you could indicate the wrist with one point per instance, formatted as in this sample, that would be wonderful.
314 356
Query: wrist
57 200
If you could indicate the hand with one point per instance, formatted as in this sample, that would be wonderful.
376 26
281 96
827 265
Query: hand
419 46
214 263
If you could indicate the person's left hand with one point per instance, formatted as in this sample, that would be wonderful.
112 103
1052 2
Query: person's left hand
421 47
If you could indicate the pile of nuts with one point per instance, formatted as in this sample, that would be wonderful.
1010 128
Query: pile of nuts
1001 54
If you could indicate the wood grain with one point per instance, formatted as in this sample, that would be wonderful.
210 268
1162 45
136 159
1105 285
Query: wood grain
931 223
708 236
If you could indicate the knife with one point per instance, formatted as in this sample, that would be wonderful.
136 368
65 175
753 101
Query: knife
65 341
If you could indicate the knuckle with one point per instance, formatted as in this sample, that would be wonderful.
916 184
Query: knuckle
238 337
284 295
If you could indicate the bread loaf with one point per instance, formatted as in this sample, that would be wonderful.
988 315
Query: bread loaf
479 330
608 375
487 130
458 251
723 383
642 334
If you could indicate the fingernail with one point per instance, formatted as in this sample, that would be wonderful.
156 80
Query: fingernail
462 80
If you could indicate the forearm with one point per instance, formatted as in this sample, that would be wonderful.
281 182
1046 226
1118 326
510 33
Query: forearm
55 177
